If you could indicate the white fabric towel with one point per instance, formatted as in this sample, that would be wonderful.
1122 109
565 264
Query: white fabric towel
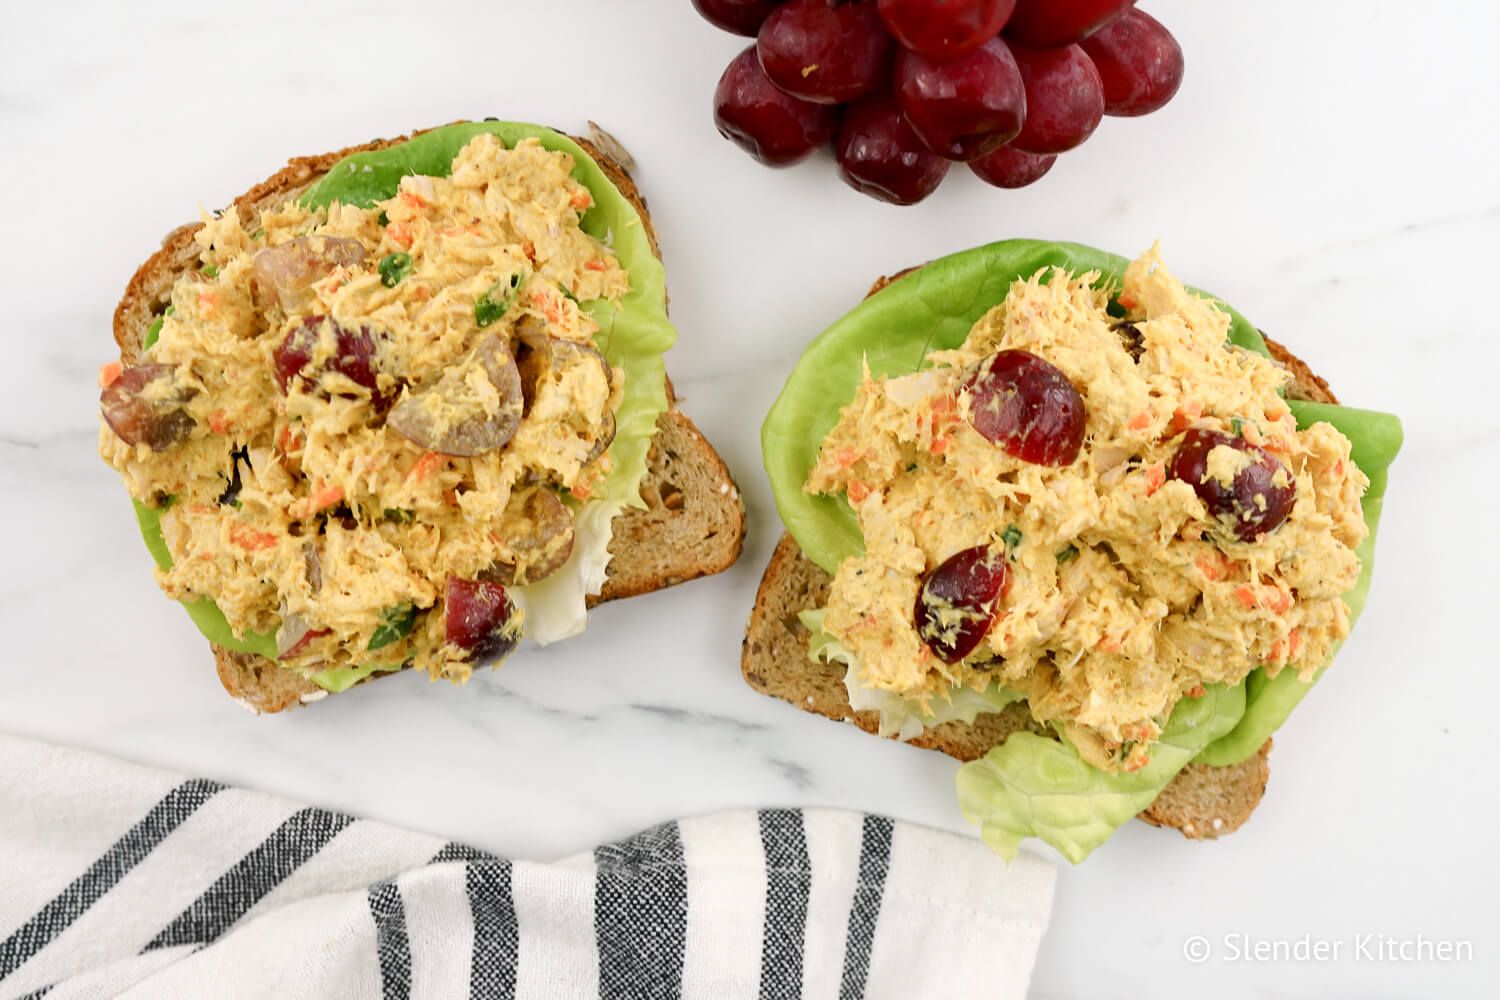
120 880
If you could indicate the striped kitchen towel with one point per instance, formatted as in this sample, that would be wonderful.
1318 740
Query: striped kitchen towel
119 880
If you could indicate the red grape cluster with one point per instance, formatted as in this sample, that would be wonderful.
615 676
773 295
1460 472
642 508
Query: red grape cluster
904 88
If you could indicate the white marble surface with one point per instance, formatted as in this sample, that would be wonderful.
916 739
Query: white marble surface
1329 168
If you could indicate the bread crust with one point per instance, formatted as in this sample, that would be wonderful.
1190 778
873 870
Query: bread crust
689 492
1201 802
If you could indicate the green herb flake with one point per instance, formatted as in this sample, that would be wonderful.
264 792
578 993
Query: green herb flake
1067 555
394 267
210 270
1238 426
496 302
1012 537
153 332
395 625
399 515
383 219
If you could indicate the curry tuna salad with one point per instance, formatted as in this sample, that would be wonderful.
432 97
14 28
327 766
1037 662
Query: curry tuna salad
385 428
1074 524
1103 514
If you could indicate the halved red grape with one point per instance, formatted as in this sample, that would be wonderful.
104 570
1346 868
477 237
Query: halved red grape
537 539
945 29
959 600
352 353
1027 407
296 636
881 156
1253 503
774 127
477 620
1139 62
450 419
741 17
824 53
965 107
1009 167
285 274
1064 98
1043 24
156 418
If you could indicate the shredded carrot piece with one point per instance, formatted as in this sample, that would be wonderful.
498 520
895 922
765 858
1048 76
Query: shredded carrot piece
845 457
1276 411
939 446
544 302
1279 601
1245 594
1141 420
581 200
529 249
327 495
425 466
1156 478
582 490
1196 691
109 373
1138 763
208 302
249 539
1294 643
596 265
1184 415
401 234
858 491
412 200
219 422
1213 567
1112 643
289 441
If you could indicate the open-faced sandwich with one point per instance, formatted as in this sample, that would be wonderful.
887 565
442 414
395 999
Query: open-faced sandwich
1058 516
403 405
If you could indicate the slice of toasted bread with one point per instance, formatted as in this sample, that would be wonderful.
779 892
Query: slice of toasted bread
1202 802
694 521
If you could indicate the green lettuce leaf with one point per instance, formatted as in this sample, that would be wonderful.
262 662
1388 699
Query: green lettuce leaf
901 718
1037 786
633 333
343 678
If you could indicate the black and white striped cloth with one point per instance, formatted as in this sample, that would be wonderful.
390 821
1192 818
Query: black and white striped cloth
119 880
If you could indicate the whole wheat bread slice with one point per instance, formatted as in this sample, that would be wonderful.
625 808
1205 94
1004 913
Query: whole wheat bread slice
694 521
1202 802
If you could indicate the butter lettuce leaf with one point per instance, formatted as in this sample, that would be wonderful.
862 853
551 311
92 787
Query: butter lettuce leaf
633 335
343 678
1038 786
